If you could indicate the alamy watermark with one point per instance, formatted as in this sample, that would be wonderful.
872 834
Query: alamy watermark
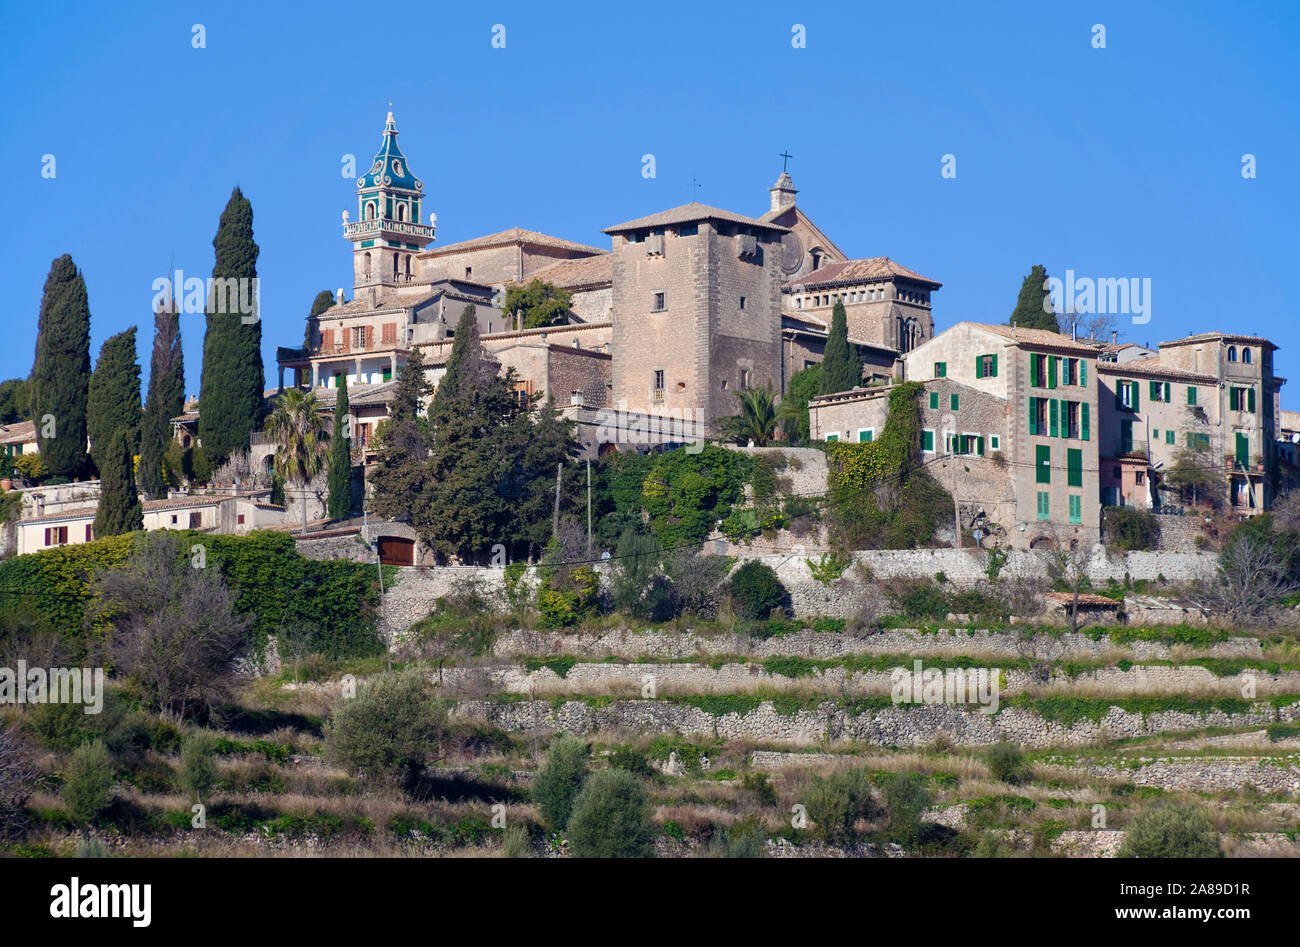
1103 296
25 685
218 294
923 685
657 426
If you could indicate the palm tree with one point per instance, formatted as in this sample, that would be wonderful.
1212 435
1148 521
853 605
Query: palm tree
757 418
301 439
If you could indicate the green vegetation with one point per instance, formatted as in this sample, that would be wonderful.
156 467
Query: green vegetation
1033 307
113 398
611 818
88 782
755 591
1129 528
340 458
165 400
1166 831
841 366
60 379
560 780
389 730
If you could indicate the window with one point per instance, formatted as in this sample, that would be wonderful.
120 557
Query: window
1074 467
1125 437
90 532
689 230
239 520
940 369
388 373
866 435
952 401
173 518
1070 421
1043 463
358 337
1191 395
986 366
658 385
469 271
1241 399
831 438
995 443
1242 456
388 334
196 520
659 302
1198 441
56 535
934 401
742 302
1159 391
1169 437
927 441
1115 473
1232 353
1126 395
1139 477
1155 435
1084 409
1245 356
1076 508
1070 371
1038 416
1044 505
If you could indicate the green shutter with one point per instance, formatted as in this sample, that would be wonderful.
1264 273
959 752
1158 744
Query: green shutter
1168 394
995 365
1052 413
1083 419
1044 505
1243 450
1137 400
1074 467
1191 395
1169 437
1119 395
1043 463
1033 369
1051 371
979 366
1154 389
1033 415
1232 399
1076 508
1083 373
952 401
927 440
1250 400
979 445
934 401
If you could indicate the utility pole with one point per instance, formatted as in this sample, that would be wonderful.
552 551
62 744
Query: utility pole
588 507
555 517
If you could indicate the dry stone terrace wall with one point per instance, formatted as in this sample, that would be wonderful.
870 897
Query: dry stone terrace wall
741 678
910 726
632 645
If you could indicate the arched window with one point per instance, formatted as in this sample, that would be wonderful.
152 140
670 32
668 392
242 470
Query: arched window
408 266
394 265
1245 356
1232 353
370 210
401 211
367 265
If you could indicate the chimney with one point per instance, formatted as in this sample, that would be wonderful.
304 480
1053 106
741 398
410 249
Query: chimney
338 297
1114 337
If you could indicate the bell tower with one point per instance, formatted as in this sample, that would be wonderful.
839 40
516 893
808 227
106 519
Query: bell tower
387 233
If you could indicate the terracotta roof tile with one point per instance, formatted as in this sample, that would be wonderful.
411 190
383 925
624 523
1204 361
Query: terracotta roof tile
20 432
690 213
1023 336
515 235
858 271
575 274
1152 366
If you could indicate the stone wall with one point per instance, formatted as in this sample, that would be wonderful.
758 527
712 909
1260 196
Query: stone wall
915 725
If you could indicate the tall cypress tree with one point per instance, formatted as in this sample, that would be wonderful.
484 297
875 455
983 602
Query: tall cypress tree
340 471
402 442
61 374
230 393
165 400
1033 311
113 404
841 366
119 504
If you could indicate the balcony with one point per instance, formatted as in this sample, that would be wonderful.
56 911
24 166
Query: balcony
362 228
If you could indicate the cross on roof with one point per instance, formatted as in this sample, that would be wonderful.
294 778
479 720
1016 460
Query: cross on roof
787 156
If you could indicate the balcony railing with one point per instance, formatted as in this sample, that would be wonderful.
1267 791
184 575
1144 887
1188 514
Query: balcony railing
363 227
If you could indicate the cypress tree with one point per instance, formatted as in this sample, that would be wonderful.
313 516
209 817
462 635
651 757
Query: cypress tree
340 472
113 404
841 367
119 504
1033 311
165 400
324 300
230 393
61 374
402 442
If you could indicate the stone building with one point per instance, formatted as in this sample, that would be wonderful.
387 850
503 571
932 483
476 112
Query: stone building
1012 412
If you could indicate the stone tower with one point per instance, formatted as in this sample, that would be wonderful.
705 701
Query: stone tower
387 233
697 311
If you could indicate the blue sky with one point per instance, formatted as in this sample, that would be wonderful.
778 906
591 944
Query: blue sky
1116 162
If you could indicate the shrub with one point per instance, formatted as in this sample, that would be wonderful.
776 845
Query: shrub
906 798
920 600
755 591
636 562
836 802
743 839
389 730
1168 831
88 781
611 818
699 582
1131 529
559 781
1007 763
633 761
198 767
17 780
